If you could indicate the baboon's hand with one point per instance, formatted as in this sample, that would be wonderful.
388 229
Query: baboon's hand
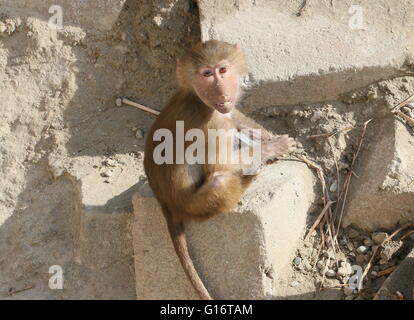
278 146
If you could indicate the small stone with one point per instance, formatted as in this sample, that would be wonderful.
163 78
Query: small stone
139 134
327 254
360 259
348 291
410 105
379 237
406 110
106 173
352 233
343 241
316 115
368 242
294 284
3 27
350 246
319 264
297 261
362 249
374 273
118 102
330 273
307 265
333 187
345 269
349 298
110 162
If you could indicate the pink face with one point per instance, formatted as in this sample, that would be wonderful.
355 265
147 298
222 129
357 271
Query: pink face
218 86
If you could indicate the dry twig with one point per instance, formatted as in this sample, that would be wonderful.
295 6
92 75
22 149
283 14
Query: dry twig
129 102
350 173
13 291
403 103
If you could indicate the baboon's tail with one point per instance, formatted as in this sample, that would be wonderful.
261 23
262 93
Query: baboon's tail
176 229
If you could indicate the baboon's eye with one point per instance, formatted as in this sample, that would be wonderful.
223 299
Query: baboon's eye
207 73
223 70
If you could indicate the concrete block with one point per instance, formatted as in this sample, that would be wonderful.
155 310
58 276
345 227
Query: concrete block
401 280
238 255
101 227
328 50
383 196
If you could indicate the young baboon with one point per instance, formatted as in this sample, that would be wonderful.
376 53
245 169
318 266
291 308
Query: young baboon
208 88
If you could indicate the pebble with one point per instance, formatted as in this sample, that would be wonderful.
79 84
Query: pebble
379 237
333 187
360 259
110 162
368 242
406 109
3 27
316 115
349 298
118 102
348 291
307 265
139 134
362 249
410 105
294 284
106 173
320 264
345 269
297 261
352 233
330 273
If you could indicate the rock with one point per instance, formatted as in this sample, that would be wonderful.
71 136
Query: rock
110 162
352 233
317 114
307 265
299 64
320 264
330 273
139 134
297 261
118 102
230 260
345 269
294 284
389 250
361 259
368 242
362 249
106 173
348 291
383 196
379 237
400 280
333 187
